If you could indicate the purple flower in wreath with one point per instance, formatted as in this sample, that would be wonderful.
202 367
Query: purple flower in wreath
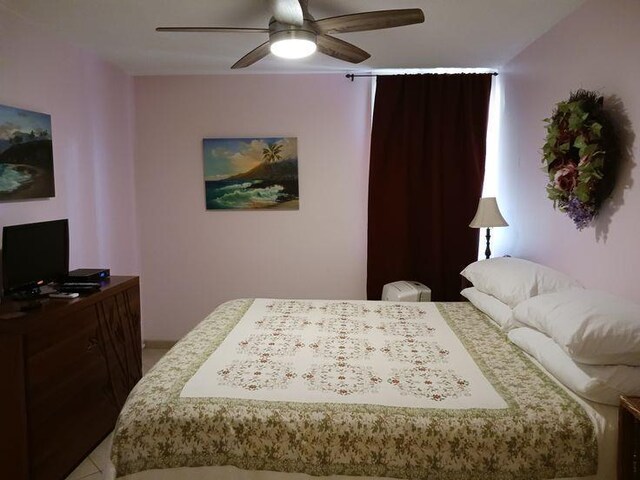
581 213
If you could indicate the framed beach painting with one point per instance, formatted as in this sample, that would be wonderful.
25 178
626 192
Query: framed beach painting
251 173
26 154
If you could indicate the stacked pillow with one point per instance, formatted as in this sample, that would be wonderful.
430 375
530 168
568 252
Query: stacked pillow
599 383
592 327
513 280
497 311
588 340
499 284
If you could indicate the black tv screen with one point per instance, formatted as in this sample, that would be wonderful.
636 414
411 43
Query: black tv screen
34 253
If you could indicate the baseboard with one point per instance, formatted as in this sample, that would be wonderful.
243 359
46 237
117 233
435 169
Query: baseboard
160 344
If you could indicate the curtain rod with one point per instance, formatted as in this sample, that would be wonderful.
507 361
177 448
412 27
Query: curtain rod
351 76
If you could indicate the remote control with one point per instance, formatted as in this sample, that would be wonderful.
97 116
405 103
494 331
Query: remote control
64 295
81 284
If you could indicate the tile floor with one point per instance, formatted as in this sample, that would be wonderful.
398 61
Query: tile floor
92 467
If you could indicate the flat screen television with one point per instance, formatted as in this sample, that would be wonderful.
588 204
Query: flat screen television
34 254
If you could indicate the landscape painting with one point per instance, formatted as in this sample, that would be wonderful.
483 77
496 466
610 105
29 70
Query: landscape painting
26 154
251 173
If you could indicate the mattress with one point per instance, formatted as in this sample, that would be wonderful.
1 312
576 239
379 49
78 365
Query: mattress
271 388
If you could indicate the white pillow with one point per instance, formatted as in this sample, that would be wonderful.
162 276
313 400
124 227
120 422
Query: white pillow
602 383
513 280
593 327
491 306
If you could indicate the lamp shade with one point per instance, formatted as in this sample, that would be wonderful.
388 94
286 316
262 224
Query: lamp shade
488 214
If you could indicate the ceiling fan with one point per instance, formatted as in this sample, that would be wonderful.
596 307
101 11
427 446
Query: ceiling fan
294 33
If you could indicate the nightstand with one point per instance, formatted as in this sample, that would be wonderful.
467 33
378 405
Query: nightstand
629 438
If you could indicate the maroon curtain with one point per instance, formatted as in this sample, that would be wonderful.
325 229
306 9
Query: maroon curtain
425 180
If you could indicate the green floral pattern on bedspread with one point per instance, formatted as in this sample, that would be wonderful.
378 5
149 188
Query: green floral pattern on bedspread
543 433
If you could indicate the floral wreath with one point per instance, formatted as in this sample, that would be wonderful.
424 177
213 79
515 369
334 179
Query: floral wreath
577 155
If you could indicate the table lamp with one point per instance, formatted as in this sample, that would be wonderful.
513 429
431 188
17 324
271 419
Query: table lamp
488 215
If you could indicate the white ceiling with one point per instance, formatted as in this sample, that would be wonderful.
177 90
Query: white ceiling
456 33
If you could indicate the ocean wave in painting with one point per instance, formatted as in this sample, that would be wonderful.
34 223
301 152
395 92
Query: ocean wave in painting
224 195
13 177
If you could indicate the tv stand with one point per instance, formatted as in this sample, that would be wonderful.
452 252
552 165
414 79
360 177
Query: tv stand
66 369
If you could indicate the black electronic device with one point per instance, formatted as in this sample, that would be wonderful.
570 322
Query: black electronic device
64 295
90 275
78 287
33 255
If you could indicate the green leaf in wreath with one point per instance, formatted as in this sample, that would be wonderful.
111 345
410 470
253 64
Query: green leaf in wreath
575 121
598 156
596 168
550 158
580 143
555 194
588 150
596 161
582 192
585 165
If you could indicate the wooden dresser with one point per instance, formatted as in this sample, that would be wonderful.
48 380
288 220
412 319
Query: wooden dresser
66 369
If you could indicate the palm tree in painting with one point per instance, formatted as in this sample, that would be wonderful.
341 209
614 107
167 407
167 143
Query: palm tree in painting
271 153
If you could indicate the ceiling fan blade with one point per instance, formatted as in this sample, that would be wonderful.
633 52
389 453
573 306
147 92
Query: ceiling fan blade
213 29
360 22
253 56
287 11
334 47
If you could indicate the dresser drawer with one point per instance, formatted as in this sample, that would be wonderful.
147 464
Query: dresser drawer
59 357
88 379
65 433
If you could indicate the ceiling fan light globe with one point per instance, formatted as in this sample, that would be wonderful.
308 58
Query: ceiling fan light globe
288 41
293 48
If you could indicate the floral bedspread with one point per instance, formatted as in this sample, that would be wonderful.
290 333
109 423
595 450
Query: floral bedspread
409 420
357 352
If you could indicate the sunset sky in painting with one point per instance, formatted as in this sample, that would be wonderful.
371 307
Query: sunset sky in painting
224 157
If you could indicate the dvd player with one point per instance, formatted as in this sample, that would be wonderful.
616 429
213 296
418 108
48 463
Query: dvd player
85 275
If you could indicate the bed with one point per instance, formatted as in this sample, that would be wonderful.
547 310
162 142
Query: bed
284 389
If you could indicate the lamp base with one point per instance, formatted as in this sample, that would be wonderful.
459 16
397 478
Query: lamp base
487 251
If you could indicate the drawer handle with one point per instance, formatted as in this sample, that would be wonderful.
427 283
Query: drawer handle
93 343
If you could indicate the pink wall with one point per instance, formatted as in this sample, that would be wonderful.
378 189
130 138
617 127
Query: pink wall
594 48
91 104
193 259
